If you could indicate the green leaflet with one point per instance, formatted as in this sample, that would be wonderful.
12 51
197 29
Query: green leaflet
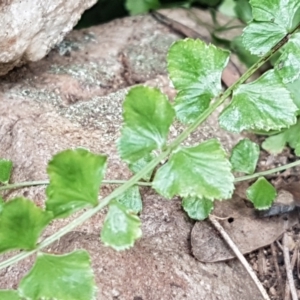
138 165
75 178
293 87
148 116
195 70
261 193
197 208
121 228
237 8
297 149
272 20
61 277
276 143
288 64
244 55
244 156
243 10
141 6
1 204
21 223
227 8
5 170
201 171
265 104
9 295
132 199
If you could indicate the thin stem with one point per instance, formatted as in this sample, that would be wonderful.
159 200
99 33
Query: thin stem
288 267
88 214
151 165
141 183
46 182
23 184
268 172
115 181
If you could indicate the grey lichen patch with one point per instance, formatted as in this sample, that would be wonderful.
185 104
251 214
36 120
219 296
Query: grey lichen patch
147 58
103 113
66 47
89 37
70 43
90 73
42 96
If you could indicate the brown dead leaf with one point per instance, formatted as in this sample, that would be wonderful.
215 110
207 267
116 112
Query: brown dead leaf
248 231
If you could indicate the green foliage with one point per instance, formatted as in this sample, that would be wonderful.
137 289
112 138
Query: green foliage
244 156
272 21
1 204
243 10
75 178
63 277
141 6
244 55
138 165
250 110
9 295
148 116
237 8
106 10
228 8
21 223
121 228
288 65
189 173
293 87
197 208
195 70
276 143
5 170
261 193
132 200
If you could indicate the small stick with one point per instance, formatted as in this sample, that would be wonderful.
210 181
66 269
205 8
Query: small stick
287 291
293 262
288 268
262 268
279 245
294 258
298 264
223 218
240 256
279 277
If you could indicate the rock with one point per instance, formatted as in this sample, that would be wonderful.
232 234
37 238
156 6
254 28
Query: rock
30 28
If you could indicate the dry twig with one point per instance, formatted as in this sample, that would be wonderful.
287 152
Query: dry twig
262 264
289 272
240 256
279 277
